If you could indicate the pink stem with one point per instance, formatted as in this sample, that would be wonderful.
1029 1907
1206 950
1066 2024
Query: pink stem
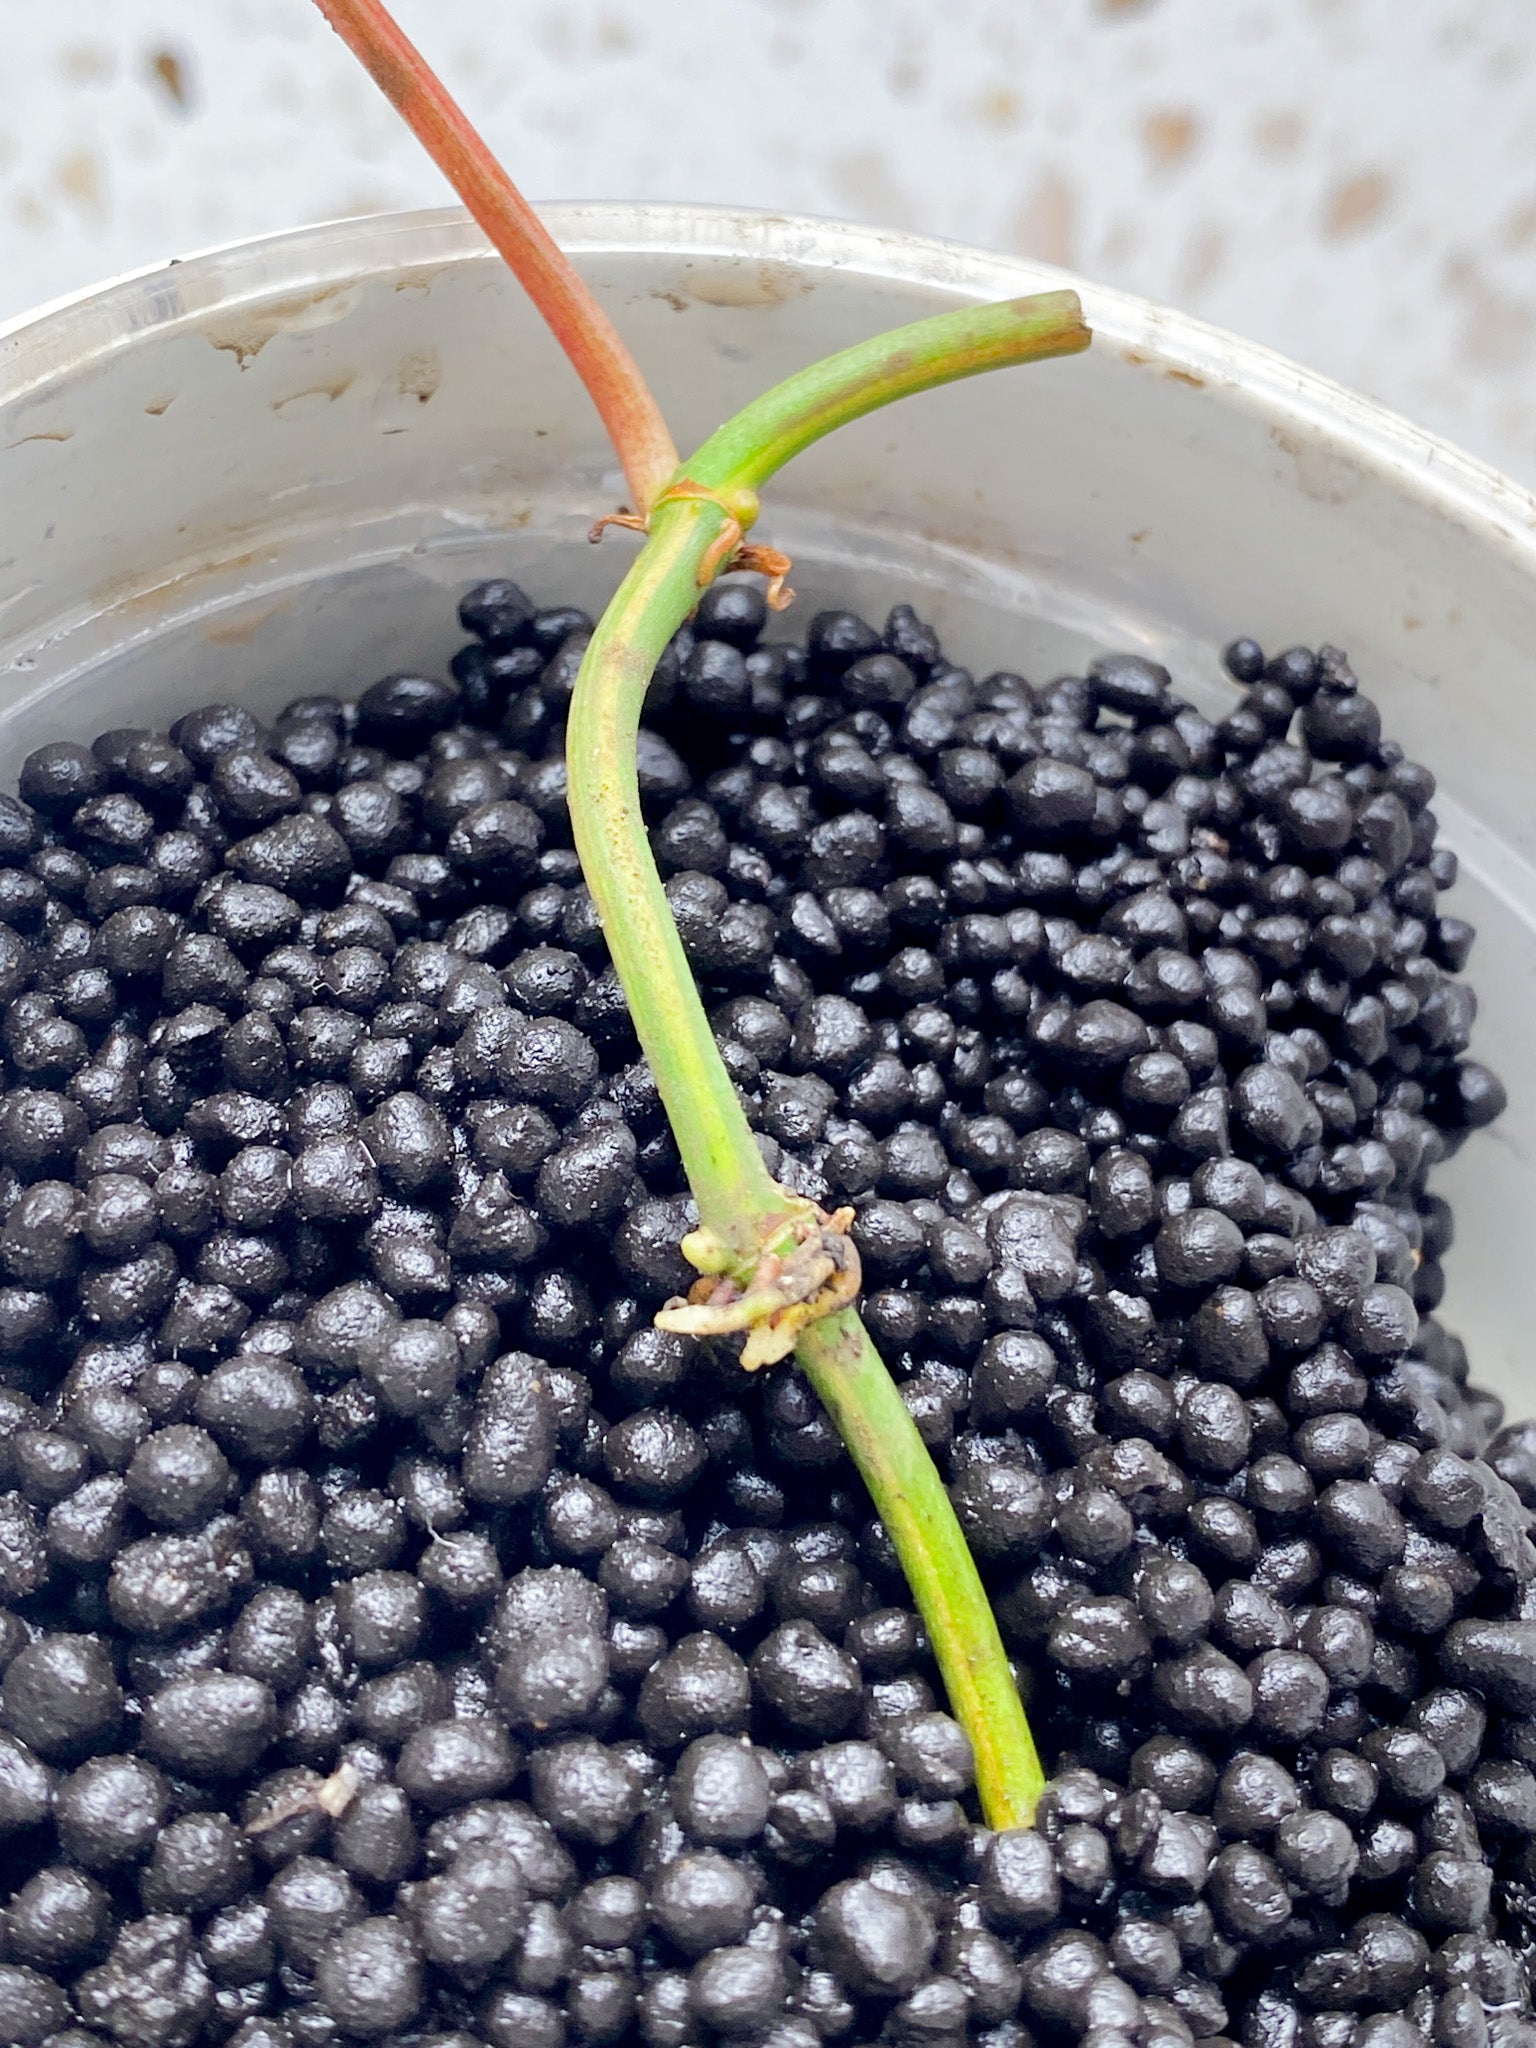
585 333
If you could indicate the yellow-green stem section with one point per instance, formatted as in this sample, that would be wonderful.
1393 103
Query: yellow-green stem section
737 1198
725 1169
858 1393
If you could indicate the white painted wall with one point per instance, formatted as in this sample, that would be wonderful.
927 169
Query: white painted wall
1351 180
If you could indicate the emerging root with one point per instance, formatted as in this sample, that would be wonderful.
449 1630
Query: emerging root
332 1796
729 549
630 521
769 562
810 1269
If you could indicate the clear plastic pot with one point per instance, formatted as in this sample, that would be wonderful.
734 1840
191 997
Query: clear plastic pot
268 469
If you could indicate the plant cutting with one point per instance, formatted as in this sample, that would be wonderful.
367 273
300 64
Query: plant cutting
775 1268
434 1611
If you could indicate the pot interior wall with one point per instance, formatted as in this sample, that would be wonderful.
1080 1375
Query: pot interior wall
272 469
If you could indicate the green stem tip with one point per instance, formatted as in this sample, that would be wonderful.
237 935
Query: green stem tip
694 528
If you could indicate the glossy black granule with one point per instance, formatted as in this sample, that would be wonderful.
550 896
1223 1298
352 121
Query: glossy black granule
404 1641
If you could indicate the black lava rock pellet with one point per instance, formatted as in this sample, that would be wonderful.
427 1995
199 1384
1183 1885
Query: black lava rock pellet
401 1640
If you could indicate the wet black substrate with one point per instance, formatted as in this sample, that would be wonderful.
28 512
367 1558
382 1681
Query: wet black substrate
402 1639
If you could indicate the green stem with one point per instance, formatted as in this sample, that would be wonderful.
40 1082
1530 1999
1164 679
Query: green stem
737 1198
787 420
858 1393
725 1169
733 1189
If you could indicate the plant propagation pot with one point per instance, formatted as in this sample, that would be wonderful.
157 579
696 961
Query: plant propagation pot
268 469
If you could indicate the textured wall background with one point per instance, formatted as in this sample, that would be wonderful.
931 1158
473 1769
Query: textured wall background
1350 180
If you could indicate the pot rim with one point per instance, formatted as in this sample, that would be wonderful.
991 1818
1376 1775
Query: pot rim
67 333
